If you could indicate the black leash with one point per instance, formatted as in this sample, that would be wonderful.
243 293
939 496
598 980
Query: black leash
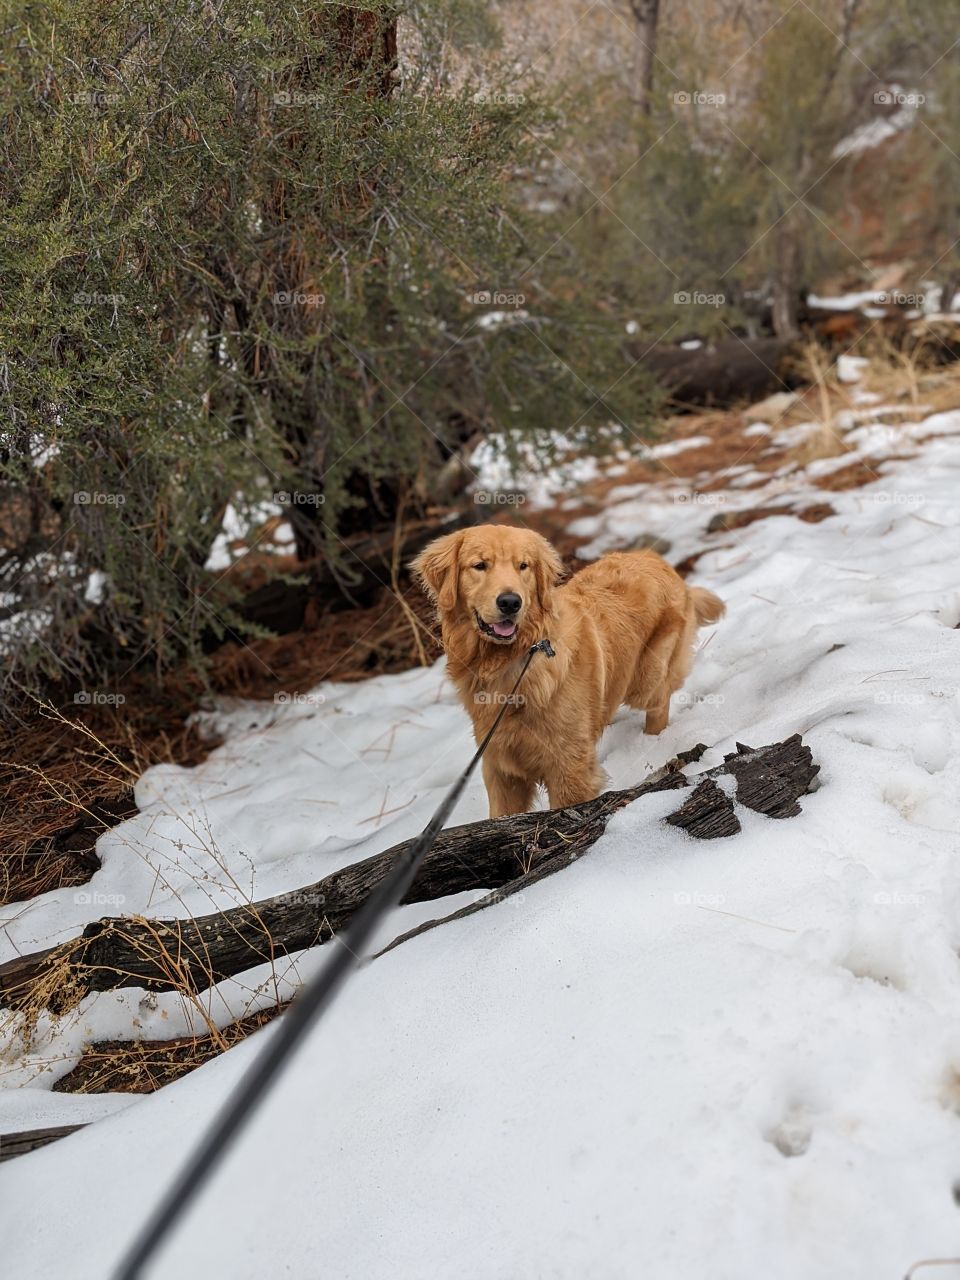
302 1013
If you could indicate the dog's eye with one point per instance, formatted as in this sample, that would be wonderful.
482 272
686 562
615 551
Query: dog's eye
523 566
480 565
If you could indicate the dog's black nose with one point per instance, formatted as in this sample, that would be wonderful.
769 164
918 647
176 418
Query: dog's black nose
509 602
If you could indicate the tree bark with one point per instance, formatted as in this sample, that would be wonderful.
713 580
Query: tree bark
722 374
787 295
18 1144
505 854
646 14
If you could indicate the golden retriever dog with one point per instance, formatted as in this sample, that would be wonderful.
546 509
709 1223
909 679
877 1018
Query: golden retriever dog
623 631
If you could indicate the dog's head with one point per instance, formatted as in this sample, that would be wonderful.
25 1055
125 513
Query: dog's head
499 578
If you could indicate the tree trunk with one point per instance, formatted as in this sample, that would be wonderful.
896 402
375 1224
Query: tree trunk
948 291
505 854
646 13
786 287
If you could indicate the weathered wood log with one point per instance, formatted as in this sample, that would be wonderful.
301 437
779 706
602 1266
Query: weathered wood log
708 813
723 373
503 855
767 777
18 1144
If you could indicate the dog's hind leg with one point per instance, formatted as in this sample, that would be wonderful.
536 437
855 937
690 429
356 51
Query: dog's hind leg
658 674
658 717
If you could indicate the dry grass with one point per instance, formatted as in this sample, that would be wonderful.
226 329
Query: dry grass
897 377
117 1066
67 774
827 442
352 644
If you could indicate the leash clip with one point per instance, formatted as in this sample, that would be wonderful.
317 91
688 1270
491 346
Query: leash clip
543 646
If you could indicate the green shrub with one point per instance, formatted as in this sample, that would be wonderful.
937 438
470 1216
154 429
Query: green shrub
241 255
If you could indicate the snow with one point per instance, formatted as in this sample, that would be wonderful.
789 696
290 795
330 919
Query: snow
532 480
32 1108
96 587
851 368
847 301
497 319
671 447
874 132
237 528
673 1057
530 477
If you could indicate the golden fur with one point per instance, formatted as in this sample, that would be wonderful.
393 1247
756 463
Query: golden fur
623 631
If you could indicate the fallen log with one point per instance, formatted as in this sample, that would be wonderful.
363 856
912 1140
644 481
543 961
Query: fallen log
18 1144
504 855
783 772
709 813
721 374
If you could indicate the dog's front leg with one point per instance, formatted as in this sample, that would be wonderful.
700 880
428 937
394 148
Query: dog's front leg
505 791
575 780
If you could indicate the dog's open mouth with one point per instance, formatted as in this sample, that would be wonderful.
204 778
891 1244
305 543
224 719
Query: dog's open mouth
504 630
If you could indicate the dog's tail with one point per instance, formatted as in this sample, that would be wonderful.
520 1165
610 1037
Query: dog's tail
706 606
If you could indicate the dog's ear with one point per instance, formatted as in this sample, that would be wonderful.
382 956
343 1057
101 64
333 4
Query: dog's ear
548 569
437 569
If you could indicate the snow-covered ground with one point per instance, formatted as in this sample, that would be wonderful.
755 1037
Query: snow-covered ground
238 529
499 478
674 1059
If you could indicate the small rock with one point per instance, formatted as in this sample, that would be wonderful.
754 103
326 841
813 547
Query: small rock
772 408
650 542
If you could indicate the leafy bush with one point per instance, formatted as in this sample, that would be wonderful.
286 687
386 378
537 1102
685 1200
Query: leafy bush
241 255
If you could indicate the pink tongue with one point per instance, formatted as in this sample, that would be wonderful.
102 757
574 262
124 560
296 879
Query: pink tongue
504 628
